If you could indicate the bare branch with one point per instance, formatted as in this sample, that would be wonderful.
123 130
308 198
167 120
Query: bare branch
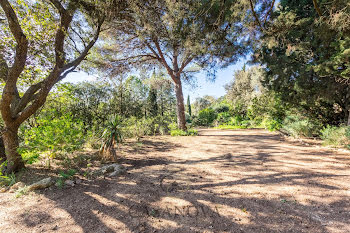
82 56
317 8
170 71
185 63
269 11
80 37
254 14
153 51
136 56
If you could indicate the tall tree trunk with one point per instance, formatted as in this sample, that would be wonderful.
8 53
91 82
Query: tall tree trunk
348 123
14 159
180 106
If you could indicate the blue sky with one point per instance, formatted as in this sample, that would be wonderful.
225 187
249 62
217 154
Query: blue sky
203 86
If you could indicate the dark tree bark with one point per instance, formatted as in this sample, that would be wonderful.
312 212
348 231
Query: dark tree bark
180 105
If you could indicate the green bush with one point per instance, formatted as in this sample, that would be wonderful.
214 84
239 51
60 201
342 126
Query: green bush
298 126
179 132
236 120
271 124
221 108
136 128
7 180
59 134
336 136
223 118
206 117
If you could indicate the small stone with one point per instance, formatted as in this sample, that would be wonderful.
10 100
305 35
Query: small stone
44 183
113 169
69 182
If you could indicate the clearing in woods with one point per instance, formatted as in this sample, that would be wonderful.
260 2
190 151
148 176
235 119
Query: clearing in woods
219 181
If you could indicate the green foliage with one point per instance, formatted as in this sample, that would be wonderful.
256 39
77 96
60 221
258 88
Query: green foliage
303 56
298 126
231 127
152 102
7 180
271 124
205 117
70 173
336 136
223 118
221 108
65 176
189 106
246 86
111 136
179 132
51 134
136 128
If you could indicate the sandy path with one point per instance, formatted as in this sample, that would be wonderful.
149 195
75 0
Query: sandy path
220 181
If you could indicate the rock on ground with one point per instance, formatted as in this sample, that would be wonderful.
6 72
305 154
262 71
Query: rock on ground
114 170
44 183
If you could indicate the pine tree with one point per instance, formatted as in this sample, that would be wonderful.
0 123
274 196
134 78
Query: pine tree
174 35
189 105
152 102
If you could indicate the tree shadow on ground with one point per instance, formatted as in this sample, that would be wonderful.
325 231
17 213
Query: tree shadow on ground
161 194
136 207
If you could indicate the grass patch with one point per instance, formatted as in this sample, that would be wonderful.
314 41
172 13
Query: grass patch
179 132
231 127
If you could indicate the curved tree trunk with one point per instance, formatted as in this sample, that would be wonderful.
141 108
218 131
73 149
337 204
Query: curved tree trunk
14 159
180 106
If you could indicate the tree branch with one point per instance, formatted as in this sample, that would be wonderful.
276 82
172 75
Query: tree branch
163 61
10 90
318 10
269 11
185 63
153 51
79 59
254 14
66 19
27 97
59 7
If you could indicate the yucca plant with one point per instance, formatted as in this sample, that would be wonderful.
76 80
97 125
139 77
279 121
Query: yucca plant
111 136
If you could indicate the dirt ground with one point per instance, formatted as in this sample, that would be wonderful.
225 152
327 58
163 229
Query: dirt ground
219 181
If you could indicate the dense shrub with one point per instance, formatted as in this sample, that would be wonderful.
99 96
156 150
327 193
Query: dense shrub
223 118
298 126
221 108
336 136
136 128
271 124
60 134
206 117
